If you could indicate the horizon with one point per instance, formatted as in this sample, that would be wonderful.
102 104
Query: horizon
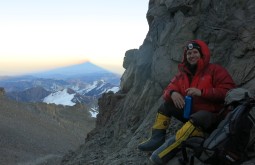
55 68
38 36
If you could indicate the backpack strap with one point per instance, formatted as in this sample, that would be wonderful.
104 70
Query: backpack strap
192 160
195 144
185 159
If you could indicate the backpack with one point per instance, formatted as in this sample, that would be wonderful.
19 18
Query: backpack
233 139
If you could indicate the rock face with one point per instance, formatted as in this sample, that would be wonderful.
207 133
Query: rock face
125 118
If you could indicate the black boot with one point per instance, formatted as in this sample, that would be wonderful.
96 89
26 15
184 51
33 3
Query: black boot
156 140
158 134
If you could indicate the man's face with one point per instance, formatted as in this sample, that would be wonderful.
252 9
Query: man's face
193 55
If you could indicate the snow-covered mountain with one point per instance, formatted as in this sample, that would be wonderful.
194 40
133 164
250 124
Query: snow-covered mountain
97 88
70 97
60 97
83 83
83 92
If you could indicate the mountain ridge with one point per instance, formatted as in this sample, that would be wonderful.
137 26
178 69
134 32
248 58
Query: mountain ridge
87 81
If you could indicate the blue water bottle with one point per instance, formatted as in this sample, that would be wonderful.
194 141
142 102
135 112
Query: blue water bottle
187 107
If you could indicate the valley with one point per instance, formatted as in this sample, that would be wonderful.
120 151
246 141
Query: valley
40 131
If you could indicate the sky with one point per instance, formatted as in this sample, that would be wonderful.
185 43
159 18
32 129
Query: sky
37 35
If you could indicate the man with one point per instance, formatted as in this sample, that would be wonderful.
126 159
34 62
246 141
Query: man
206 83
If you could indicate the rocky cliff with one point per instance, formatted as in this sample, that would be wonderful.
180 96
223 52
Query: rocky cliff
125 118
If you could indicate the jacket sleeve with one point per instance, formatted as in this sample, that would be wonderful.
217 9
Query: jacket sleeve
172 86
222 82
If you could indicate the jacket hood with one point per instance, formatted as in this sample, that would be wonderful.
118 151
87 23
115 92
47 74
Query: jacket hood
205 55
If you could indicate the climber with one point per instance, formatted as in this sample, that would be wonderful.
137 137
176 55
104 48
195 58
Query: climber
206 83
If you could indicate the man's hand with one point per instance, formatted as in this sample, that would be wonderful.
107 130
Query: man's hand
193 92
178 100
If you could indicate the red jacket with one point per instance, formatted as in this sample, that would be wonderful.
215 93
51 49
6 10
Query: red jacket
213 80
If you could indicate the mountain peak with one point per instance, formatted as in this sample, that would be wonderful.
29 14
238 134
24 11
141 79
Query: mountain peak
72 71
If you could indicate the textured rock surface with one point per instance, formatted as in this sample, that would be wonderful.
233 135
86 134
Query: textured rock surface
126 117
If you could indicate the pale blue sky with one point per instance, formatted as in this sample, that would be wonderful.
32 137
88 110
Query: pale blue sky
43 34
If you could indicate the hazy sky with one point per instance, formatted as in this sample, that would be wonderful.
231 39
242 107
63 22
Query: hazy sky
42 34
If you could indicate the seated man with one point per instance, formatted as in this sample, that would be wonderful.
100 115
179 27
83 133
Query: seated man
206 83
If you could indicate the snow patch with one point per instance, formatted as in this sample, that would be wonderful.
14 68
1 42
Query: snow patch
91 87
94 112
60 98
113 89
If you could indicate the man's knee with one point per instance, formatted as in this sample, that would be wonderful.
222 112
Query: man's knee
204 119
166 108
